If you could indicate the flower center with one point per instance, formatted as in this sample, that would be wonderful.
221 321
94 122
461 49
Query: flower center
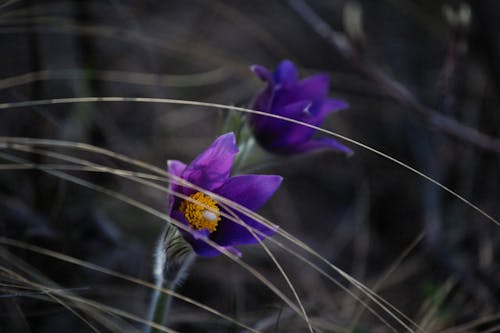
203 213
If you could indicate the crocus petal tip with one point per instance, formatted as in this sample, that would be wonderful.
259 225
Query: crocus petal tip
262 72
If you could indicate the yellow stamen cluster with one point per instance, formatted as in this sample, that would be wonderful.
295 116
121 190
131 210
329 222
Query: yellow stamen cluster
202 212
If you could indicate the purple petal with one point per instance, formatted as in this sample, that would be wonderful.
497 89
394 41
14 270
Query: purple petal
179 217
280 136
300 110
279 133
262 72
263 100
202 248
331 105
175 168
212 167
233 233
313 88
322 143
250 191
286 73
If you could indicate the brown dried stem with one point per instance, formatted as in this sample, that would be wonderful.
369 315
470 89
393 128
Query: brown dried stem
390 86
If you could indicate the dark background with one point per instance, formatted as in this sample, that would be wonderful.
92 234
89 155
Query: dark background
416 84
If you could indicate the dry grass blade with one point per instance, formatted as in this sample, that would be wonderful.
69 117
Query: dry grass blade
388 273
80 300
131 279
429 321
163 80
167 219
182 102
469 327
53 294
236 219
245 110
335 263
241 209
133 176
58 26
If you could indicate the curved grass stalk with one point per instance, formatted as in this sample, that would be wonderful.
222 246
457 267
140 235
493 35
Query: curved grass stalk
183 102
128 278
94 304
122 172
203 52
389 271
469 327
148 79
178 224
470 204
375 298
235 219
239 208
269 253
273 44
406 166
56 25
50 293
41 279
260 219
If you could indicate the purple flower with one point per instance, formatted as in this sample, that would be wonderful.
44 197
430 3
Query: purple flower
304 100
211 171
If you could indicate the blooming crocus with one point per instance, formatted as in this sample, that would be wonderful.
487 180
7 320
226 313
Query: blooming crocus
303 100
204 215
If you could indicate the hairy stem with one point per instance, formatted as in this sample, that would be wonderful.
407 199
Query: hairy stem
172 264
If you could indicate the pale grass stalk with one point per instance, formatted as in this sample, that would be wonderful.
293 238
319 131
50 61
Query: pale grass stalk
257 217
331 133
64 26
260 219
166 218
432 306
50 293
245 110
47 283
96 305
128 278
162 314
158 300
469 327
239 208
380 281
139 78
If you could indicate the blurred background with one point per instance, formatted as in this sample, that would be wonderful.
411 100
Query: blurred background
422 80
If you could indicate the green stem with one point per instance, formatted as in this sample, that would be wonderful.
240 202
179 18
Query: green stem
161 302
179 277
156 308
